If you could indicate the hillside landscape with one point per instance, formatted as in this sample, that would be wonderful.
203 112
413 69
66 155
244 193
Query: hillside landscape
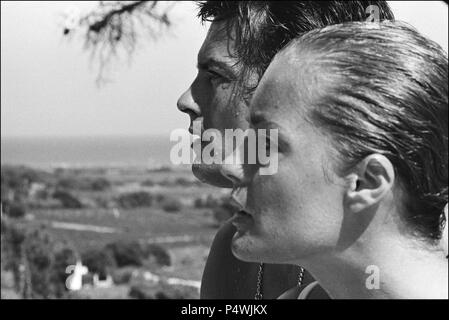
141 233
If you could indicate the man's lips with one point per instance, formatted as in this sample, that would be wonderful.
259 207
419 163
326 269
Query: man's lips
191 129
196 141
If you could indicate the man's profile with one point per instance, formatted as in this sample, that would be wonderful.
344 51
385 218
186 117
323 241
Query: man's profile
243 38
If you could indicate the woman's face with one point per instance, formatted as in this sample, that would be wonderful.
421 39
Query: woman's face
298 211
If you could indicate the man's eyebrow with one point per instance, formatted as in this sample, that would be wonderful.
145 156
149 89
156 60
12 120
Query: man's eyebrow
211 62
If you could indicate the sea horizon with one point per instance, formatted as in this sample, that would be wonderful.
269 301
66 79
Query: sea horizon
146 151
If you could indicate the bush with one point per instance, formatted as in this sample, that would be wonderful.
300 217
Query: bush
133 253
18 177
140 291
38 262
103 202
67 199
39 253
98 261
70 183
12 239
132 200
63 257
126 253
16 181
100 184
171 205
209 202
15 210
162 291
159 253
42 194
198 203
122 276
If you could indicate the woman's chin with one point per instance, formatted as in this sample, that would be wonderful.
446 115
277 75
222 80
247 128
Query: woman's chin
243 247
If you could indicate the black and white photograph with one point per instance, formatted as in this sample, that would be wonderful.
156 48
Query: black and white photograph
228 154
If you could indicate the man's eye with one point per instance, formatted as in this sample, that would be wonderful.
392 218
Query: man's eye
213 76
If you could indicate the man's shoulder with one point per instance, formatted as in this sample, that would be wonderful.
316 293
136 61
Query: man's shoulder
224 235
223 272
220 254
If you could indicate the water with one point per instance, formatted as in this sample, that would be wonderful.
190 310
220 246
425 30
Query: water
47 152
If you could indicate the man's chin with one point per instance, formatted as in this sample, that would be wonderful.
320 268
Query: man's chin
210 174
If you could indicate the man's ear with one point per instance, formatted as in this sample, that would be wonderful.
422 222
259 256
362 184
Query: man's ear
370 181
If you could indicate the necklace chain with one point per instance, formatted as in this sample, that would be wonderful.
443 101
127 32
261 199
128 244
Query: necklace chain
259 294
259 288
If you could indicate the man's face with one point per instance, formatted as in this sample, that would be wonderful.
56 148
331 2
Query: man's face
213 98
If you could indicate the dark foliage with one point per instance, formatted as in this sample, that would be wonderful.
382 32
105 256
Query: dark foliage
67 199
135 200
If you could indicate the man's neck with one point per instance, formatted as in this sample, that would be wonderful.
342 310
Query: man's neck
383 270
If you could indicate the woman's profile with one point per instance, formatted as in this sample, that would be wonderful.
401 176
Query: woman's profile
362 185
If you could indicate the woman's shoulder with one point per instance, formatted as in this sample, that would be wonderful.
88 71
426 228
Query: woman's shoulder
313 291
310 291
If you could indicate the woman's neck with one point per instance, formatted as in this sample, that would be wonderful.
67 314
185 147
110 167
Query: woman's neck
387 269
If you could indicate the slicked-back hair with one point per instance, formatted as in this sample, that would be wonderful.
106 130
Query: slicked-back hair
262 28
385 90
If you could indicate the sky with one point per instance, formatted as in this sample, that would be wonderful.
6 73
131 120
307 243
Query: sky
48 86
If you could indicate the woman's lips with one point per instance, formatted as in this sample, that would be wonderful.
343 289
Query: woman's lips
238 197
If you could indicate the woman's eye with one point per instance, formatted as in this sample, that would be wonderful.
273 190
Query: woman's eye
268 142
270 145
265 146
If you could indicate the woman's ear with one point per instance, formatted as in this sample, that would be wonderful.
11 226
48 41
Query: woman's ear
369 182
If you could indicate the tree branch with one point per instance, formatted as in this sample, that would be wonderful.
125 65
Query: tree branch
116 26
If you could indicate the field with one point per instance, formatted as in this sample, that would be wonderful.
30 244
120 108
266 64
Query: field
88 209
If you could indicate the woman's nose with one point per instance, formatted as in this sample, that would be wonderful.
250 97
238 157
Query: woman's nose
187 104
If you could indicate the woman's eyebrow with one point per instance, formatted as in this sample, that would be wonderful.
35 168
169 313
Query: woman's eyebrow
261 120
257 118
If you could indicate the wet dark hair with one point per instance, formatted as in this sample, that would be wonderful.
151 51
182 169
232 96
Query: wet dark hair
384 89
262 28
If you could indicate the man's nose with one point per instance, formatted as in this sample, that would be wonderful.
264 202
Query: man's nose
187 104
